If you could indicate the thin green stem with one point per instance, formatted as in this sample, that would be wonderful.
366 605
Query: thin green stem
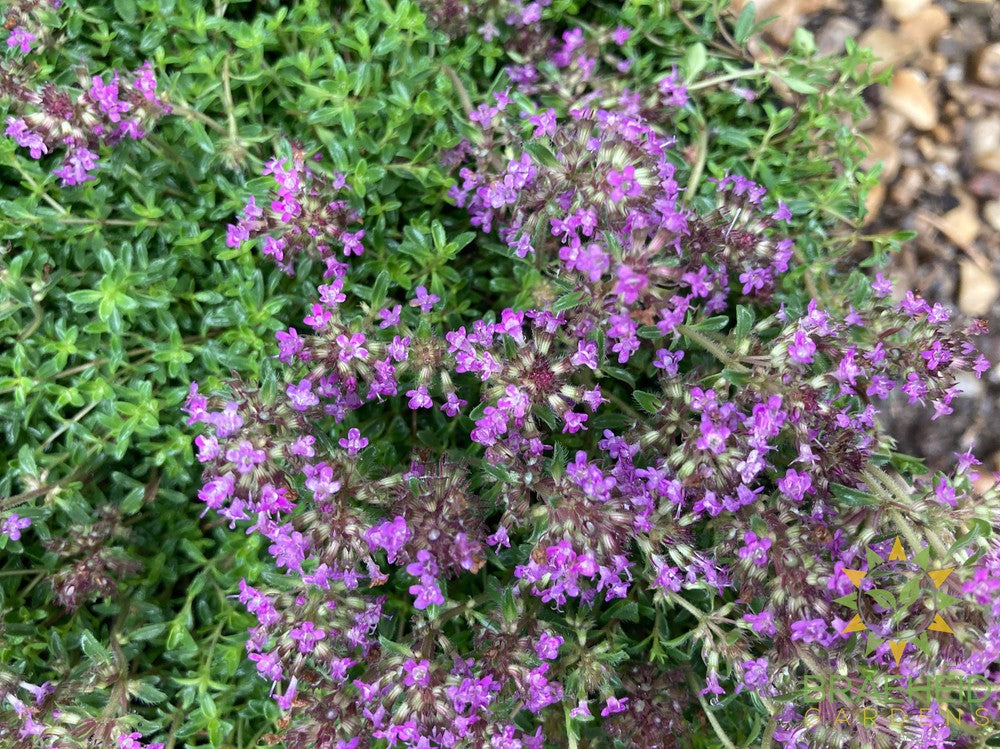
709 82
712 347
701 155
194 114
463 95
720 732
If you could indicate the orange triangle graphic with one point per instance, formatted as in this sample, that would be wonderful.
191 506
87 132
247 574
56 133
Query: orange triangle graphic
940 625
939 576
897 647
855 625
897 553
856 576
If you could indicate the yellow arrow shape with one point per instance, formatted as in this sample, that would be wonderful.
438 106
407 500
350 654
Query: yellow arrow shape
940 625
939 576
897 553
855 576
897 648
855 625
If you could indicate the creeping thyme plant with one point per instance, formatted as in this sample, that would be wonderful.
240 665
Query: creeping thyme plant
533 399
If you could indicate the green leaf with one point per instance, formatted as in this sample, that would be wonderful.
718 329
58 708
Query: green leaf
883 598
744 322
798 85
379 290
853 497
569 301
85 296
909 593
26 461
93 649
647 401
694 61
744 24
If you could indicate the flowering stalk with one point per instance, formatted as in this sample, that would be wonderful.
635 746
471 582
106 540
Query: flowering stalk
46 118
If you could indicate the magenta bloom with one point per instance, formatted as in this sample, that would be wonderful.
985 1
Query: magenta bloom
424 300
21 38
352 348
574 422
354 442
623 184
307 635
13 524
416 673
419 398
620 35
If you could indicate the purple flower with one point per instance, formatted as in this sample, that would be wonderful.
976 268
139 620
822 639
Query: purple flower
131 741
667 360
762 623
795 485
417 674
582 710
754 674
320 481
499 538
352 348
754 549
301 395
289 344
13 524
424 300
673 90
215 492
623 184
882 286
354 442
586 354
809 630
419 398
620 35
21 38
782 214
755 279
18 130
286 699
936 355
573 422
614 705
547 647
76 166
352 242
307 635
802 348
289 548
669 578
453 404
390 535
245 456
426 593
268 666
712 684
545 124
389 317
630 284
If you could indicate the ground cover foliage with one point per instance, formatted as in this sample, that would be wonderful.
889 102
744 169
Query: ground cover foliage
632 546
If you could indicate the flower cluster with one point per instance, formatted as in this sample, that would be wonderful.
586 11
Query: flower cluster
36 715
78 121
761 465
301 217
20 21
466 597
